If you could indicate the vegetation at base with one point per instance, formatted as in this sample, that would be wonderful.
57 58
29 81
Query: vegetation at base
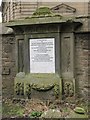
9 109
35 108
35 114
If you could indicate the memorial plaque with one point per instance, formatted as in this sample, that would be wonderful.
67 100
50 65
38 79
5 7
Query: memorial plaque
42 55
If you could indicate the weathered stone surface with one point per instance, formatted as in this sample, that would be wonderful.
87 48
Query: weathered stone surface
20 75
51 114
82 52
43 95
73 115
42 86
5 70
0 76
8 65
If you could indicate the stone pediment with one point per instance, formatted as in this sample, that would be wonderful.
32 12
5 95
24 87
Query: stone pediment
63 8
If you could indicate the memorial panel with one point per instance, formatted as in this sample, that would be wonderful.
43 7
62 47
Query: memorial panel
42 55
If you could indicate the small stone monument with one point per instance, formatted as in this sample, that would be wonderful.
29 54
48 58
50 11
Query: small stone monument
44 57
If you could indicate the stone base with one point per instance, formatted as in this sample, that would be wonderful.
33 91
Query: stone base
40 86
69 87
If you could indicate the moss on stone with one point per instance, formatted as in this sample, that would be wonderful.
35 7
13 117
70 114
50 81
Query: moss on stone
43 81
56 90
79 110
76 115
35 20
39 82
42 11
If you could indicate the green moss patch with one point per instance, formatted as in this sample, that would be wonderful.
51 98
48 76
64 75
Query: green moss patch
76 115
43 81
79 110
42 11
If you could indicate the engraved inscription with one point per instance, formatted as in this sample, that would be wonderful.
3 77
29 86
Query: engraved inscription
42 56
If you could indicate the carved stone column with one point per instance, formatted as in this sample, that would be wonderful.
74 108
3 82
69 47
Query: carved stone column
67 61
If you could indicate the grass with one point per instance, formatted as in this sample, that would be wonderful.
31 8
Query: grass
12 110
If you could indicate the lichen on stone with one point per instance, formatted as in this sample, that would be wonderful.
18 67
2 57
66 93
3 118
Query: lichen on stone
38 82
42 11
56 90
19 88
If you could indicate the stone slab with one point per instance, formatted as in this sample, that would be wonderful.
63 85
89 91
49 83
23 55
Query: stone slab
42 55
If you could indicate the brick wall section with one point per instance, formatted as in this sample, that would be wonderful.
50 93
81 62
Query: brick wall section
8 65
81 63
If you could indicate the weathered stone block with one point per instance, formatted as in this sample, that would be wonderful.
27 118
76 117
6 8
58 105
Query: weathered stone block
5 71
81 63
42 86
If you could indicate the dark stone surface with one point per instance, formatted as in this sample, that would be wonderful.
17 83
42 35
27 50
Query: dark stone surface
82 54
8 65
43 95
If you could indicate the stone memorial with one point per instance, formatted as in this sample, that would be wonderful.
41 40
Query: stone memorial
40 70
45 57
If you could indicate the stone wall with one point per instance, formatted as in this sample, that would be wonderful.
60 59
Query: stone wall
8 65
82 53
